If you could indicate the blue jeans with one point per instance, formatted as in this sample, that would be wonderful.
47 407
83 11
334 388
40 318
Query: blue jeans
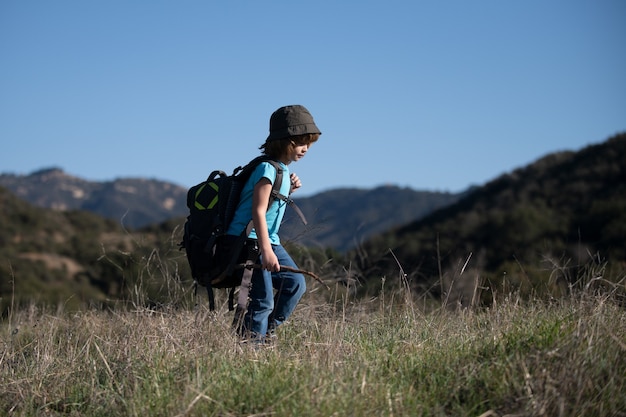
267 310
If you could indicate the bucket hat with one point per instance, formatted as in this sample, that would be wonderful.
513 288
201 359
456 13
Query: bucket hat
290 121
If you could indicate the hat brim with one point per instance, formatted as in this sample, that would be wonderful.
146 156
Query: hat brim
296 130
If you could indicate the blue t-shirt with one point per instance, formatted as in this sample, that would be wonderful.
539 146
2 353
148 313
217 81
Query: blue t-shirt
276 211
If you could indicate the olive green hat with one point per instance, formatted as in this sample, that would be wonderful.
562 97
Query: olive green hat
290 121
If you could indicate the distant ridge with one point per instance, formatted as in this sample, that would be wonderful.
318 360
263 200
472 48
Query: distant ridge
338 218
135 202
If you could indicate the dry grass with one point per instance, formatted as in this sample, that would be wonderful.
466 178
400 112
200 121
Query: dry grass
379 357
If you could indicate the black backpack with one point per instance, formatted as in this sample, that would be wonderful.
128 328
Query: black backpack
218 260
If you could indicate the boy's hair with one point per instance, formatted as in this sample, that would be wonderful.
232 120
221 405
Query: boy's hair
277 148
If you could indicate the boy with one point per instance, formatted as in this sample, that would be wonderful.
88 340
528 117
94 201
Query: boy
292 131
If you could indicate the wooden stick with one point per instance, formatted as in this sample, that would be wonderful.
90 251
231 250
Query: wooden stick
290 269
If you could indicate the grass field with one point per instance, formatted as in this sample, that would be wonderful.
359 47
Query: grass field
389 356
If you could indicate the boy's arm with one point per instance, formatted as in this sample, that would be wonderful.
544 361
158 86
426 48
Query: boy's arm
260 200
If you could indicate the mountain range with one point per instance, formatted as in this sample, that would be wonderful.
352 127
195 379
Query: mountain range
337 218
134 202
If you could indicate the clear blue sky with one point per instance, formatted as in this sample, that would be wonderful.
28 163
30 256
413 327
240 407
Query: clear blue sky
436 95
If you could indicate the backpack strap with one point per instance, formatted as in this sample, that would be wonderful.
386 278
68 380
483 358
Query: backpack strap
275 194
292 204
246 281
242 297
278 196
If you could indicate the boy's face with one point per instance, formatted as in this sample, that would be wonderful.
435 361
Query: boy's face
297 151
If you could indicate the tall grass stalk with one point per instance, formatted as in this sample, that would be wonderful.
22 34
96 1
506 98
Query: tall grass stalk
563 357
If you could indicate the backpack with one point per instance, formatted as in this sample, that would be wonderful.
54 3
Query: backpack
218 260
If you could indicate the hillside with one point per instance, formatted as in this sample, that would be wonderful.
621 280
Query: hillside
539 224
78 258
75 258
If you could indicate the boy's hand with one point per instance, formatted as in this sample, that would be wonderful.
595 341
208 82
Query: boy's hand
295 182
270 261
